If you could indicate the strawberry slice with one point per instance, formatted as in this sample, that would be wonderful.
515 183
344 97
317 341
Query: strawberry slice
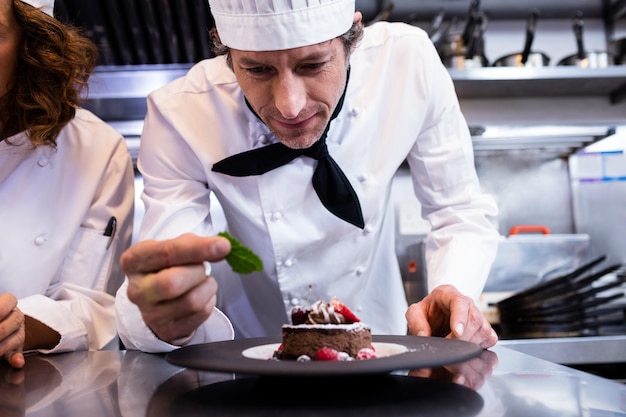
344 311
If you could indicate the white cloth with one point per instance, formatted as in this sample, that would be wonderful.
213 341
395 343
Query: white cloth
400 105
270 25
46 6
57 203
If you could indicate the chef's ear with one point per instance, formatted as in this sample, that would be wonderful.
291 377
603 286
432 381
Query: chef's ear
358 16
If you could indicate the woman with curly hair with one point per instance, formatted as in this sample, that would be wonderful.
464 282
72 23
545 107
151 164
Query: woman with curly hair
66 187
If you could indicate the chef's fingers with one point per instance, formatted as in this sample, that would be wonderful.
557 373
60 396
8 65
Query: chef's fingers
12 335
484 336
468 323
150 255
167 284
472 326
431 316
417 319
8 302
178 317
16 359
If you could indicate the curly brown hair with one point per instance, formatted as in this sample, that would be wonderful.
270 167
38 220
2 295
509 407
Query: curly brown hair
55 61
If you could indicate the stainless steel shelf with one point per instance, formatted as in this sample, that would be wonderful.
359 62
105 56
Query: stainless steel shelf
562 140
118 93
511 82
496 9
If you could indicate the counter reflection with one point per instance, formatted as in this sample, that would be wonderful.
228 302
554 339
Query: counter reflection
500 382
77 383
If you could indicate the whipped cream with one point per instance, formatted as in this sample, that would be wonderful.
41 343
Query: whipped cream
323 313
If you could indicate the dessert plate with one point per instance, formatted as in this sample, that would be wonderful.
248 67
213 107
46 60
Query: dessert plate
253 356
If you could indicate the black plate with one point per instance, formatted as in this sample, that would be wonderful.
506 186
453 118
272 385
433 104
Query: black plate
227 356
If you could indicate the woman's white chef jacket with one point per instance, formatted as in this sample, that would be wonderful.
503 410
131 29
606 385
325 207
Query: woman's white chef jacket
53 252
400 105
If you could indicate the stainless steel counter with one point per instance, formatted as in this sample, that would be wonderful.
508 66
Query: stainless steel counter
501 382
573 350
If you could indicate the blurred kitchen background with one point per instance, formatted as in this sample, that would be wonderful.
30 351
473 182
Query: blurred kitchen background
549 134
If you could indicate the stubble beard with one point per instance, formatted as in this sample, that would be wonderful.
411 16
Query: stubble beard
299 138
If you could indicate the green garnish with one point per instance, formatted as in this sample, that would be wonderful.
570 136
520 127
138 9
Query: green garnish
241 259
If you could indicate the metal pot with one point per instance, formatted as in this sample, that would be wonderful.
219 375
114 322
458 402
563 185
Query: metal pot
462 62
583 58
462 51
590 59
465 50
526 58
534 59
454 54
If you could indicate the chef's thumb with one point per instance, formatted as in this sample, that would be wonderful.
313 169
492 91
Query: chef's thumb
220 248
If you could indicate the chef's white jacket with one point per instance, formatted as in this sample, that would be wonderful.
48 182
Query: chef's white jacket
400 106
56 206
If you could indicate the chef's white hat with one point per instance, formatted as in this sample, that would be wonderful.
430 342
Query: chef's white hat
271 25
46 6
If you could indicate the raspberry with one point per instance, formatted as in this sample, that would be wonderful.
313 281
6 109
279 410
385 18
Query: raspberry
326 354
278 352
366 353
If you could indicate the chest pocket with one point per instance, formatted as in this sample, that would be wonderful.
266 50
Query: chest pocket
89 262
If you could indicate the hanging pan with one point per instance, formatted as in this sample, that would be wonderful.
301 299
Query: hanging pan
528 57
583 58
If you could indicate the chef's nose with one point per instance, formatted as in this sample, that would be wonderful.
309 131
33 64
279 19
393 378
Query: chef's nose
289 95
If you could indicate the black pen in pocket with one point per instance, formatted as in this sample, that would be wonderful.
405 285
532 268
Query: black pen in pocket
110 230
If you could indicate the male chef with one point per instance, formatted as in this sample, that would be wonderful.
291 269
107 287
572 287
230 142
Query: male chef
296 129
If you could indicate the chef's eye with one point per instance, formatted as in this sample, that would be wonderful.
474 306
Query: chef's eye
257 70
313 66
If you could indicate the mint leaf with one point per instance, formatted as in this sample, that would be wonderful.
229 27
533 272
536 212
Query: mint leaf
241 259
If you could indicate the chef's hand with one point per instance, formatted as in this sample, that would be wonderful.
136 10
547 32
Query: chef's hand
167 281
12 331
445 312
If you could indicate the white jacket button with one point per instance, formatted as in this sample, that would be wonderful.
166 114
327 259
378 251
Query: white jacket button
40 240
42 162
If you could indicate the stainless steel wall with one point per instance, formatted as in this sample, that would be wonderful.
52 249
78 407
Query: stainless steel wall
598 182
